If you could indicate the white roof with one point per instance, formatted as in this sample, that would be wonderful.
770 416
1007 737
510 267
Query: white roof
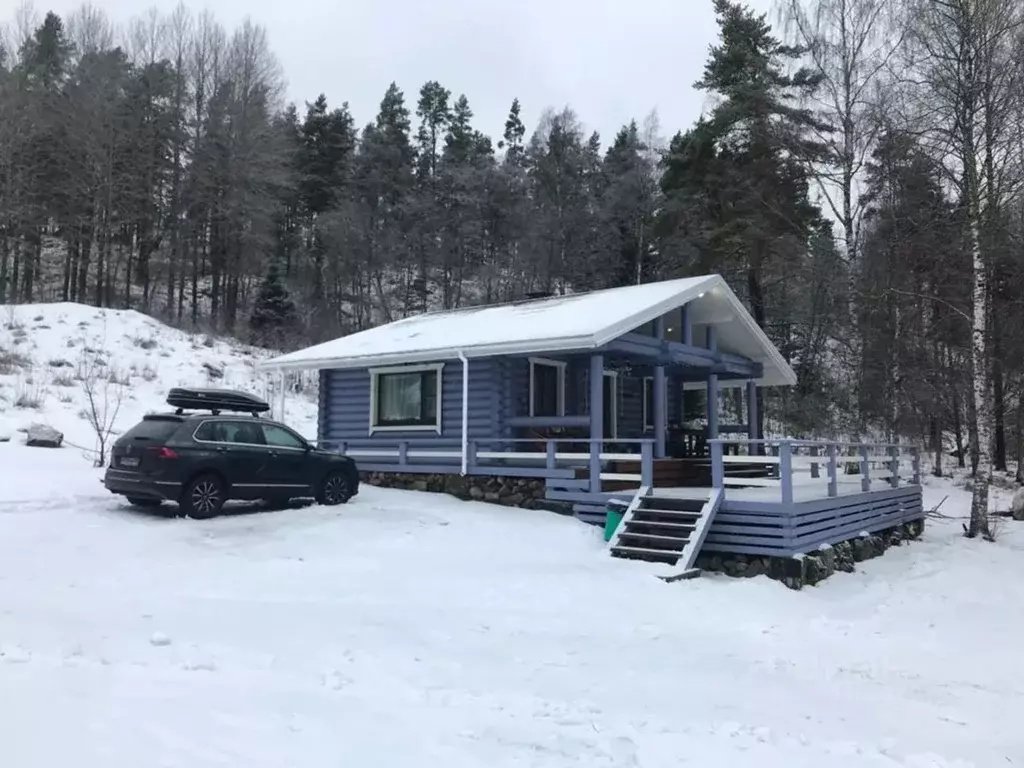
561 323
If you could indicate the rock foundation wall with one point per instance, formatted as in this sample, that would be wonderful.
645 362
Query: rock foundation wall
523 492
813 567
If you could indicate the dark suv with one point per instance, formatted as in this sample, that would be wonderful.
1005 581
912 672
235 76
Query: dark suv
202 459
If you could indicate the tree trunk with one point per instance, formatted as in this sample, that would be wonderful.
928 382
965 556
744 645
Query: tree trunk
998 396
5 255
981 385
1019 437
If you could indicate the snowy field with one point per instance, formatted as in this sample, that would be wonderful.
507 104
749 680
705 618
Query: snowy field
413 630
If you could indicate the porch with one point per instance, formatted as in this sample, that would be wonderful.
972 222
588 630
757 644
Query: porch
778 497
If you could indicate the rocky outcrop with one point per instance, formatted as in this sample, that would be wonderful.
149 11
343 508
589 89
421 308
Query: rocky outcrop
812 568
506 491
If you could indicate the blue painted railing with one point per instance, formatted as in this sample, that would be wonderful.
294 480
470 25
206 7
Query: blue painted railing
500 456
782 461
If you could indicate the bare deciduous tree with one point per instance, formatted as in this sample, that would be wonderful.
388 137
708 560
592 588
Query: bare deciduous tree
104 390
850 44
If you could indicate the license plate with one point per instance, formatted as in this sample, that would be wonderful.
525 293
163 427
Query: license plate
129 461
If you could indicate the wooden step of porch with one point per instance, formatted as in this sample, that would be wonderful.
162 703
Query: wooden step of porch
643 553
632 537
660 527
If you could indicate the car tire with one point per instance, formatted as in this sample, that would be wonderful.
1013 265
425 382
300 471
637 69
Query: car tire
334 489
203 498
145 503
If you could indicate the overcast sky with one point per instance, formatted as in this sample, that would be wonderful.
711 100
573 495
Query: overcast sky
611 60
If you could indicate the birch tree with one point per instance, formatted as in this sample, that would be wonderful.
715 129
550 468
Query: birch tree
967 70
849 44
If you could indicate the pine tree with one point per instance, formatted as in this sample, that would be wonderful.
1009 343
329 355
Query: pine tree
274 319
515 133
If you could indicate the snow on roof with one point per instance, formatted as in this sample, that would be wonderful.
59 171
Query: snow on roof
579 321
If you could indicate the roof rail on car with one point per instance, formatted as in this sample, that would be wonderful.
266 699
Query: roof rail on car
215 400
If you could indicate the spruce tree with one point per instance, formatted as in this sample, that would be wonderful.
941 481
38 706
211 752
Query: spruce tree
274 317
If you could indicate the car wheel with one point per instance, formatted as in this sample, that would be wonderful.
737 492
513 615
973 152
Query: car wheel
335 489
203 498
148 503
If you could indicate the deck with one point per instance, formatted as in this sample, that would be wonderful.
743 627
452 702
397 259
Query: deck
780 497
753 521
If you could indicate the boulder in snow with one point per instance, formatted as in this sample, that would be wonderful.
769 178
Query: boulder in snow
42 436
1017 505
213 372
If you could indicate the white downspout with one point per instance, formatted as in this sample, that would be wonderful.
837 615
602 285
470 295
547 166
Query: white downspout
280 415
465 413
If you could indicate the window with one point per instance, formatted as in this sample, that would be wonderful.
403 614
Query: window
238 432
278 437
407 398
547 387
155 429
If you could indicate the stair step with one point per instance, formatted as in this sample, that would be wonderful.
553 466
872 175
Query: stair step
674 505
659 527
675 514
642 553
663 524
653 537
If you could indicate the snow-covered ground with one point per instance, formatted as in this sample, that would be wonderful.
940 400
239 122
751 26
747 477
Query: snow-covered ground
409 629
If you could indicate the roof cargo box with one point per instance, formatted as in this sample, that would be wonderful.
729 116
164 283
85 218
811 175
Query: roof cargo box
215 400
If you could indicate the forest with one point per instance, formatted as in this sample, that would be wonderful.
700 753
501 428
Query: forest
857 179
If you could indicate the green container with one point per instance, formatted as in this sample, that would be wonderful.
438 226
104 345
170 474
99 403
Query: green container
614 510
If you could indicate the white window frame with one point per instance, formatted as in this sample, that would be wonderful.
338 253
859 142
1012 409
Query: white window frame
376 373
614 376
558 365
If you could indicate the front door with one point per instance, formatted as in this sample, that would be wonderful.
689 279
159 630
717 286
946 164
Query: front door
610 400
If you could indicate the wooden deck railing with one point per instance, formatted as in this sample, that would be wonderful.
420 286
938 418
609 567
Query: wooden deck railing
795 465
499 456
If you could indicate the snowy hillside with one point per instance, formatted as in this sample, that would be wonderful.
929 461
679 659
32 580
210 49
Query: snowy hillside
52 354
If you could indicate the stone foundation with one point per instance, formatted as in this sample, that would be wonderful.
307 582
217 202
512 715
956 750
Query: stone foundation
525 492
813 567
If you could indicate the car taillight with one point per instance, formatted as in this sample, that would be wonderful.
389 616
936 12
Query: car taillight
163 453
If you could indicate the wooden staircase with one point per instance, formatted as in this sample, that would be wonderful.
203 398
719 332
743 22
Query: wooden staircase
666 529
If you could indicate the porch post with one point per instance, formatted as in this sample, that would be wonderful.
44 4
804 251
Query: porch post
660 412
712 389
280 415
660 400
596 420
712 406
687 328
753 449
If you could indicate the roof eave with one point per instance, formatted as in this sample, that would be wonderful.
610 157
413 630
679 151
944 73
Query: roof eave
563 344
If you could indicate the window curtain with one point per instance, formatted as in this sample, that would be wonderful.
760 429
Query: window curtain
400 398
